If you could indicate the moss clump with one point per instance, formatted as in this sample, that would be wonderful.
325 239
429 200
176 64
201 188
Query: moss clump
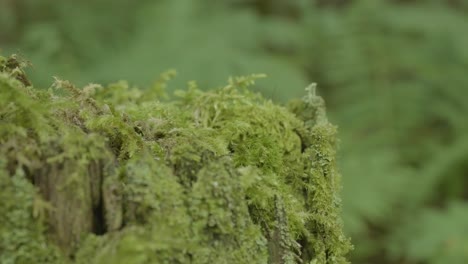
119 175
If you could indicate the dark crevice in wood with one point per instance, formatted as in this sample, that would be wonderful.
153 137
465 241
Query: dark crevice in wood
99 225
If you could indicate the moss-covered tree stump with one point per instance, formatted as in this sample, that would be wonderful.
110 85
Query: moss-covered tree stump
120 175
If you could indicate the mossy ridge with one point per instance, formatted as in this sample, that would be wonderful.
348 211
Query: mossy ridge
223 176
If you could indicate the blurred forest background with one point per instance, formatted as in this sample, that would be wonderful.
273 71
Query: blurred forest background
394 75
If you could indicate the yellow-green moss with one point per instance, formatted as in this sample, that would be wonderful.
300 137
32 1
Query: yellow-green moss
118 175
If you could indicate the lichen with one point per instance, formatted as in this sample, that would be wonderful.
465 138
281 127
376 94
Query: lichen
119 175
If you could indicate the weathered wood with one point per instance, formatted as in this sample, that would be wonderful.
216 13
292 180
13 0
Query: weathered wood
75 196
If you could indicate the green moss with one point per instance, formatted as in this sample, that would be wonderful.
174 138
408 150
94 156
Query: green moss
22 232
223 176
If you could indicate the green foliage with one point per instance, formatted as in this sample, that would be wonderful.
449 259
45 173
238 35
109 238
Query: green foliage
402 116
223 176
153 35
445 244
